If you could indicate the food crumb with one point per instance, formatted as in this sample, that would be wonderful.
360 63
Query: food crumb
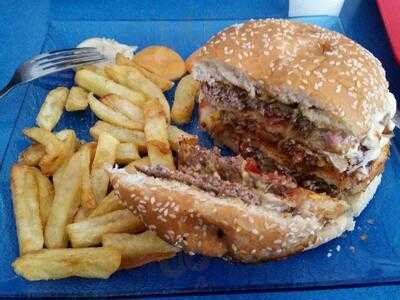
352 249
364 237
329 254
370 221
338 247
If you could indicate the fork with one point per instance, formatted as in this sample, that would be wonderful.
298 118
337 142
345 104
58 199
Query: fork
51 62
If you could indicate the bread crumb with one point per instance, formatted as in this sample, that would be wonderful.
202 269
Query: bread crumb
370 221
364 237
338 247
329 254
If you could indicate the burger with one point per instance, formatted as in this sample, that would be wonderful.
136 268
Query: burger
308 112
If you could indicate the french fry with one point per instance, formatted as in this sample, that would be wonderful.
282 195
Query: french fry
49 164
101 86
88 200
51 143
124 107
26 209
52 108
143 162
45 195
176 135
65 204
89 232
105 154
110 203
139 249
155 130
80 215
132 78
62 263
162 83
105 113
162 61
126 152
184 101
77 99
124 135
137 81
95 68
32 155
119 74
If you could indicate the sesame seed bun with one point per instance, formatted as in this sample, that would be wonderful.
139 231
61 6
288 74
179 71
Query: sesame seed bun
199 222
336 82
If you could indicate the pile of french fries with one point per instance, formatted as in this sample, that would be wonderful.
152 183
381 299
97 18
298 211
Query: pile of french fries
69 221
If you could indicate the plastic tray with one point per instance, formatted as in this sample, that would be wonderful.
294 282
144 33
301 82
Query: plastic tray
353 261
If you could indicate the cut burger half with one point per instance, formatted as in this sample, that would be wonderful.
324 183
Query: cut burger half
298 98
227 207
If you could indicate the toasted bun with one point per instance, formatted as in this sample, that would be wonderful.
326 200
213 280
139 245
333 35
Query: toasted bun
200 222
336 82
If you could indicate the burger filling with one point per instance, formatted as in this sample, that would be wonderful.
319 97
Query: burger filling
243 180
249 125
225 176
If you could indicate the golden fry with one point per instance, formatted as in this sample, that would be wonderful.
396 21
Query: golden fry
162 61
105 155
105 113
77 99
143 162
62 263
45 195
65 204
176 135
127 152
110 203
80 215
162 83
26 209
137 81
124 107
89 232
101 86
95 68
88 200
155 130
184 101
52 108
52 144
139 249
32 155
49 164
124 135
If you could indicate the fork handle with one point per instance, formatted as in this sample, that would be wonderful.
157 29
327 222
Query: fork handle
7 88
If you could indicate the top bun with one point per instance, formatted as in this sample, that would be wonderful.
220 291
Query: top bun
336 82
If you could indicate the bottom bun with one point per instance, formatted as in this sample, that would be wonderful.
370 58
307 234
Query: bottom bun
200 222
357 203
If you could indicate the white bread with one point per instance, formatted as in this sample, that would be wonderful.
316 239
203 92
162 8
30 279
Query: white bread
336 82
200 222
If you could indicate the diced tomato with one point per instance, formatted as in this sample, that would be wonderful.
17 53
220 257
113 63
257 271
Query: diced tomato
203 103
251 166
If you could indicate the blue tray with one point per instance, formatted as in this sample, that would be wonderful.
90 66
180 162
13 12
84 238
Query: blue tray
375 260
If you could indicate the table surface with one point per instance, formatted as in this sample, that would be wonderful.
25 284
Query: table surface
21 19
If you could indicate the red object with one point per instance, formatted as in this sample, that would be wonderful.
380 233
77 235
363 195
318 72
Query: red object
390 12
251 166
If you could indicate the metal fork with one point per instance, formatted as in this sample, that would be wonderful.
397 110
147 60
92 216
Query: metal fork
51 62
